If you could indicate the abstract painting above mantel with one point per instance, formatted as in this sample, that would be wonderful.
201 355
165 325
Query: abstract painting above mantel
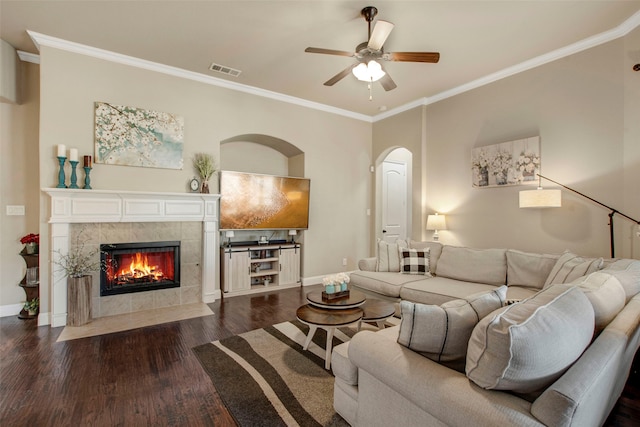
509 163
131 136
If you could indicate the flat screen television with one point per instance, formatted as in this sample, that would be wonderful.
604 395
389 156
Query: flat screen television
252 201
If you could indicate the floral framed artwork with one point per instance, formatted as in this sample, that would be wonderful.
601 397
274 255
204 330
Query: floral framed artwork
509 163
132 136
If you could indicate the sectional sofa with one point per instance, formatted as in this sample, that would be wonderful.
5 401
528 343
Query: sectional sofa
490 337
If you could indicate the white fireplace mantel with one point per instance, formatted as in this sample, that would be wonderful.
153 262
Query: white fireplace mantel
70 206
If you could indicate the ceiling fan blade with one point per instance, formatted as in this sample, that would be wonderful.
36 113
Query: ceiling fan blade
379 35
387 83
328 51
412 56
341 75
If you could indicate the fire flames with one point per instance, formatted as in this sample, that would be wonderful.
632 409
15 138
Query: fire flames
139 270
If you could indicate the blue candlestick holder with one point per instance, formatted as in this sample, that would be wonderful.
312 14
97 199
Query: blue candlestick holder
74 177
87 179
61 160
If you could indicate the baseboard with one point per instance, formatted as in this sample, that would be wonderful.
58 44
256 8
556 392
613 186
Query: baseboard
10 309
317 280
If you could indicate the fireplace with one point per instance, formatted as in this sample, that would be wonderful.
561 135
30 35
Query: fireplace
137 267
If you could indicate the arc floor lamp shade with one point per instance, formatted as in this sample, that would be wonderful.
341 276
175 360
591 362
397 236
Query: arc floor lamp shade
540 198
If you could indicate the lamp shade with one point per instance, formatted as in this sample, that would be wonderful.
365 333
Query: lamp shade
436 222
293 232
229 233
540 198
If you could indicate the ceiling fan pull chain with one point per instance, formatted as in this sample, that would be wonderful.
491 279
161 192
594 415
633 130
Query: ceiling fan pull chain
370 91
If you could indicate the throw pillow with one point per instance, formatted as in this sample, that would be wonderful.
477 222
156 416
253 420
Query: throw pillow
388 258
525 347
529 269
606 295
442 333
435 249
627 271
414 261
570 266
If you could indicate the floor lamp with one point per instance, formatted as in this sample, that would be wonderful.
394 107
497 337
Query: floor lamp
611 214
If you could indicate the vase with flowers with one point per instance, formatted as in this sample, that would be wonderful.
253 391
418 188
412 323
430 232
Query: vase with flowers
31 242
501 163
528 164
480 165
335 286
205 165
77 265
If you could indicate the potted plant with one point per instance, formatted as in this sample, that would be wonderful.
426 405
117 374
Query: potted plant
77 265
31 242
32 306
205 165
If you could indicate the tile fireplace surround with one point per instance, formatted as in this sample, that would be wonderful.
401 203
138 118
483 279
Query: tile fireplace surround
110 216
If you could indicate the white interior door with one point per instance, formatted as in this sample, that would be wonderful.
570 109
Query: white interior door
394 201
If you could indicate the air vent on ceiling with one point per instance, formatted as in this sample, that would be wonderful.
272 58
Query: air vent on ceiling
224 69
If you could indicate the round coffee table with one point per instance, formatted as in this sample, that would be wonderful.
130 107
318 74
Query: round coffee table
329 320
355 299
375 310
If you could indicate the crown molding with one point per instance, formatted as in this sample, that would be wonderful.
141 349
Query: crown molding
54 42
43 40
28 57
593 41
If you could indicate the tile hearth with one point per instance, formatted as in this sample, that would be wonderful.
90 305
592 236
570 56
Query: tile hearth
140 319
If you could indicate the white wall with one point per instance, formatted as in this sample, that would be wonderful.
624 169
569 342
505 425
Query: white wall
19 175
336 148
631 158
585 109
254 158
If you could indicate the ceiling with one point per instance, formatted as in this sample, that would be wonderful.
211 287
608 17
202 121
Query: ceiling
266 39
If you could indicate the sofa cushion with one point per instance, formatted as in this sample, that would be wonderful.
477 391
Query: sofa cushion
570 266
524 347
442 333
520 292
529 269
473 265
388 257
627 271
414 261
438 290
606 295
385 283
435 249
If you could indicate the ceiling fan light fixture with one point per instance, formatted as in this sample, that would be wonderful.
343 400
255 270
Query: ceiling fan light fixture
370 72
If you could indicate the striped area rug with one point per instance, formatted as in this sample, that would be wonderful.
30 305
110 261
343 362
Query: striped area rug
266 379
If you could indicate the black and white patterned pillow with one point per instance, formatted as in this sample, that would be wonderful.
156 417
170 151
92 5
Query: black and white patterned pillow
414 261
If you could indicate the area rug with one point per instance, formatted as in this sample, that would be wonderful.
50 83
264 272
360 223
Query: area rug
265 378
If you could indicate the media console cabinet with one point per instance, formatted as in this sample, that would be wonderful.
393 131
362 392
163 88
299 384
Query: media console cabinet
256 268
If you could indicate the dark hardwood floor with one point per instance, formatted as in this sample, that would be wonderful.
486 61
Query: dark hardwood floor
147 376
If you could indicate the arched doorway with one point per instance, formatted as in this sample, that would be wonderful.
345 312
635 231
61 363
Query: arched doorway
393 193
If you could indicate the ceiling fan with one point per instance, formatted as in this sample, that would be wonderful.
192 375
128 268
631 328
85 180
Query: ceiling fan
370 54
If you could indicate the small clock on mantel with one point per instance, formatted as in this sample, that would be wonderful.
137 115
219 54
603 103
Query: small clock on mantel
194 185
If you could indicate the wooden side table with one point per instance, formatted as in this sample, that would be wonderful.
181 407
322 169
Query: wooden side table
375 310
329 320
31 290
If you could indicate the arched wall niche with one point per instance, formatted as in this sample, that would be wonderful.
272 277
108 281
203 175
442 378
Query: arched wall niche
264 154
260 153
